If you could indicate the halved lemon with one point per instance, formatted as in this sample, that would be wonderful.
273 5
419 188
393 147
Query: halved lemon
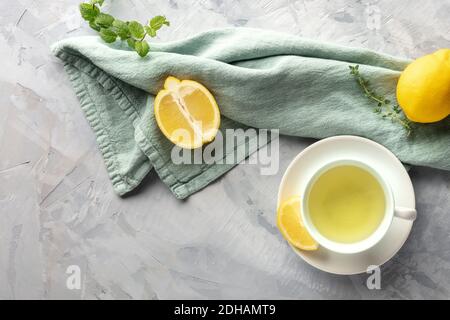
291 226
187 113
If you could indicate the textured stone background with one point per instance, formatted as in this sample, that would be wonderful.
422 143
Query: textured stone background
57 207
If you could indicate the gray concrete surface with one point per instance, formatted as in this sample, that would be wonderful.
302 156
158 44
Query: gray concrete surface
57 207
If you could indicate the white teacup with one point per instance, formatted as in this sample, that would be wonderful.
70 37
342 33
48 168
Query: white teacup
390 212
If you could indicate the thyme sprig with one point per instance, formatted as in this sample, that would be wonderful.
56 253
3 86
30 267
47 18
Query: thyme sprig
384 106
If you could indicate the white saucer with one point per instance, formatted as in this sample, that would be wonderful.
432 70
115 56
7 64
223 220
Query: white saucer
379 158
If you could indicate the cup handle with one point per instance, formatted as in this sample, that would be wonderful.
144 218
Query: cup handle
405 213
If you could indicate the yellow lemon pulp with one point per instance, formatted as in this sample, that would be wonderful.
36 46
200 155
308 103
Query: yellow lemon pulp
186 113
291 226
423 90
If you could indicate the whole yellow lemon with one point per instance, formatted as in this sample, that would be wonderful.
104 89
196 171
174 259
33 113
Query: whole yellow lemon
423 90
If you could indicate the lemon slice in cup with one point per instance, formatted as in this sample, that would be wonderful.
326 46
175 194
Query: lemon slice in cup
291 226
186 113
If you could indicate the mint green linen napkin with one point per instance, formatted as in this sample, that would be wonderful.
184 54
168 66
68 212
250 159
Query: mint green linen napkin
260 79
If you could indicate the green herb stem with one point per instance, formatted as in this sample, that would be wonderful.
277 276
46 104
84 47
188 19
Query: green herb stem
110 28
384 106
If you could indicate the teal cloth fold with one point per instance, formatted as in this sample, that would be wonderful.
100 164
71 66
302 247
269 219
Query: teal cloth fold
260 79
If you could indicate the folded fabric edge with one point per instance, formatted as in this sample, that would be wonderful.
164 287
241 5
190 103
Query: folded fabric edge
121 184
182 190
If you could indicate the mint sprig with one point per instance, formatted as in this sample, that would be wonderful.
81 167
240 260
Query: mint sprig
110 29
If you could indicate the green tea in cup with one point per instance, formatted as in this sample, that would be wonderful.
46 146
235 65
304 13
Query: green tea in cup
346 203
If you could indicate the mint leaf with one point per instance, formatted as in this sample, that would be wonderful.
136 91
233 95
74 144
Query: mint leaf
99 2
121 29
94 26
136 30
131 42
88 11
157 22
104 20
108 35
150 31
142 48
